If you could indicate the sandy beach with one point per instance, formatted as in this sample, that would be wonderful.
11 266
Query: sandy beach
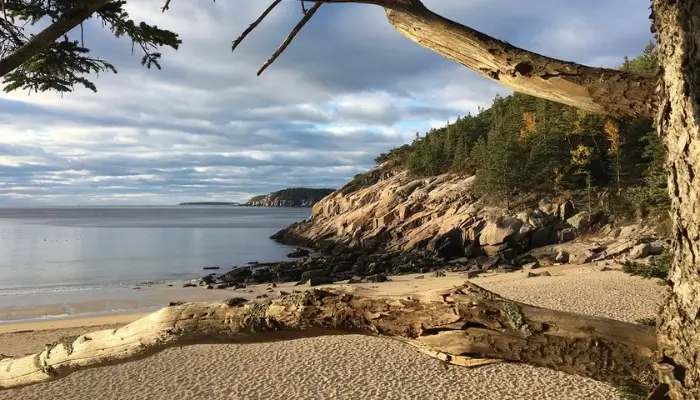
340 367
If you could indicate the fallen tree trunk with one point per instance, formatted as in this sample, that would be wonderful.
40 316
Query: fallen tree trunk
466 325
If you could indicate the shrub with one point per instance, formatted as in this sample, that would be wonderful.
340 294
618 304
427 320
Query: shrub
658 267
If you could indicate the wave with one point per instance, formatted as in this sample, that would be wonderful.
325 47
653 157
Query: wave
18 291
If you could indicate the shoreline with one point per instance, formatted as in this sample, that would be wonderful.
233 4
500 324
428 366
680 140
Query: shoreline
264 370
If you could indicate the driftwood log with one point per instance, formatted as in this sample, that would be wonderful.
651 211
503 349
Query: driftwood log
465 325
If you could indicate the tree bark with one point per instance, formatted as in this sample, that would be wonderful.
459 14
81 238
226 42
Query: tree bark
467 326
677 26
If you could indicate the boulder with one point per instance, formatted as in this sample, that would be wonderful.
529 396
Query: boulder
447 245
237 274
189 284
487 263
566 235
656 248
628 231
298 253
566 210
207 280
581 221
318 281
531 265
224 285
377 278
261 275
614 233
494 250
620 248
496 232
542 237
315 274
472 274
640 251
439 274
539 219
523 259
535 275
562 257
582 257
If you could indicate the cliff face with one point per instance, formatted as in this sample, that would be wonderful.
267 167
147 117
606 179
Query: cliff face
399 213
294 197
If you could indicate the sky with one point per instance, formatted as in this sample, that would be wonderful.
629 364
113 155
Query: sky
206 128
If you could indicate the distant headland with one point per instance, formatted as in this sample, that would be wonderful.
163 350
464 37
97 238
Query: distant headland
291 197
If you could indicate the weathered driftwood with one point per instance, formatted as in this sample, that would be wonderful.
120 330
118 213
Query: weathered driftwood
466 325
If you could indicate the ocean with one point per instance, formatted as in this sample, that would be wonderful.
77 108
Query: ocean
64 255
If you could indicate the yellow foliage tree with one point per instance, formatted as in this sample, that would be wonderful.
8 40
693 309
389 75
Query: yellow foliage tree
578 121
581 155
612 131
528 126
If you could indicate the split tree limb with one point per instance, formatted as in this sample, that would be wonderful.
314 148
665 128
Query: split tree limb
46 38
466 325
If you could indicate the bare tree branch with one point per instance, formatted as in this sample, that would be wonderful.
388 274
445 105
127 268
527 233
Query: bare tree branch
44 39
466 325
254 25
288 40
598 90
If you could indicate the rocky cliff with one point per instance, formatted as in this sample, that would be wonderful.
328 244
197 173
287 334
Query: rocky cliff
293 197
395 212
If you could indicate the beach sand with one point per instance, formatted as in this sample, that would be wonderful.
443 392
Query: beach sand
344 367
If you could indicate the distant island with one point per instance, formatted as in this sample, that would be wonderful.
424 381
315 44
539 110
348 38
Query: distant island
292 197
210 203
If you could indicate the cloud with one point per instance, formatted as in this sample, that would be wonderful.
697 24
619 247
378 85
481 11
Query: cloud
207 128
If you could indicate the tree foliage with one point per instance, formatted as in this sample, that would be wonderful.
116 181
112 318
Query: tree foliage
522 144
67 62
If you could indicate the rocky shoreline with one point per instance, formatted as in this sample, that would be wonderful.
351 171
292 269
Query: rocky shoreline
403 225
339 264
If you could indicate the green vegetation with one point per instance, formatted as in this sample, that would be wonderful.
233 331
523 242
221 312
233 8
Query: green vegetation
630 393
66 63
523 145
292 197
647 321
657 267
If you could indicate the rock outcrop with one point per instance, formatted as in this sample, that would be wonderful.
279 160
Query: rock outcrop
397 213
293 197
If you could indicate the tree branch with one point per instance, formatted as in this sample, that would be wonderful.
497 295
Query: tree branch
597 90
44 39
288 40
254 24
466 325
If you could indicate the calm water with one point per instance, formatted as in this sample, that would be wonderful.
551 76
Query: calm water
46 250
